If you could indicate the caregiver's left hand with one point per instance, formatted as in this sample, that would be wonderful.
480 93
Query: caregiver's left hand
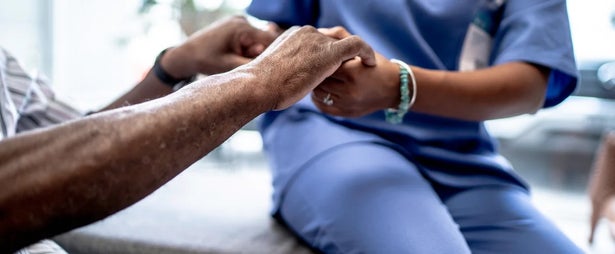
355 89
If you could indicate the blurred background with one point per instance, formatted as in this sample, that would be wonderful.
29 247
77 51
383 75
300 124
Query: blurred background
95 50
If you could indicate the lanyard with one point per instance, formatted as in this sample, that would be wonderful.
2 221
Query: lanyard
478 42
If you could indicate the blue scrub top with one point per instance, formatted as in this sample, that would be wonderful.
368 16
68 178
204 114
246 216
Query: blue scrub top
429 34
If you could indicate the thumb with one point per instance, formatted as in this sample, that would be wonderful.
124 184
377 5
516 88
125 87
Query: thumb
274 29
352 46
254 36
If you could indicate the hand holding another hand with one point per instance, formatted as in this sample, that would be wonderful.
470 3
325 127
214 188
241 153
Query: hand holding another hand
356 89
300 59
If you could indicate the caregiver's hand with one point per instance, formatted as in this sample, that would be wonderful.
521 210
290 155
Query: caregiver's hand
300 59
356 89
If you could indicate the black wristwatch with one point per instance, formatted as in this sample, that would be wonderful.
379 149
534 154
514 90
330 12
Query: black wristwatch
167 78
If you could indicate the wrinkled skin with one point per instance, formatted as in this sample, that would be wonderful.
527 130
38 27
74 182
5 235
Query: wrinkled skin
120 156
299 73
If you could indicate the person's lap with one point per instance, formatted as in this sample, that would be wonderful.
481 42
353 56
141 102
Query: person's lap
362 196
366 197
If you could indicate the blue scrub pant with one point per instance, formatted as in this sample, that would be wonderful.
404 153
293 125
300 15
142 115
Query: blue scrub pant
367 198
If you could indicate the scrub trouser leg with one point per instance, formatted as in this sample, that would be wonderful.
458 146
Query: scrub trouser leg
367 198
503 220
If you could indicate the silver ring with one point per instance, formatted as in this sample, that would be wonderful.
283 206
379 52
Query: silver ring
327 100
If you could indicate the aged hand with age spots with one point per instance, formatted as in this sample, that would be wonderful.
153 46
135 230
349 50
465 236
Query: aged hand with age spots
300 59
172 132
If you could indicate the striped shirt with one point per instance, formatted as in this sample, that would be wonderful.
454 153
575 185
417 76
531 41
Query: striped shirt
26 100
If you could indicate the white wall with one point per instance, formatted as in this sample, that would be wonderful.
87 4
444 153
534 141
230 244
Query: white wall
101 49
26 32
593 31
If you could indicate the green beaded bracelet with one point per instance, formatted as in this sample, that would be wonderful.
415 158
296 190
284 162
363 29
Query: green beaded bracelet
396 116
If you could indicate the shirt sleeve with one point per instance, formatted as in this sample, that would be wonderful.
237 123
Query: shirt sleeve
539 32
27 101
286 13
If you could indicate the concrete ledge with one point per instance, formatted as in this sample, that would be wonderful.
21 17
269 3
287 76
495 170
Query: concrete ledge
203 210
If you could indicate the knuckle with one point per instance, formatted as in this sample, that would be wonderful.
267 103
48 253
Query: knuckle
308 28
338 29
354 43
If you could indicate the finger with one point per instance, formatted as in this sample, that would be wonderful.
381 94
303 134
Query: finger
329 100
260 37
332 110
344 72
254 50
332 85
324 107
274 29
352 46
252 42
335 109
321 94
337 32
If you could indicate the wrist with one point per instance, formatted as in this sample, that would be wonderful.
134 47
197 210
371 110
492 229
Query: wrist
177 63
171 75
253 87
407 93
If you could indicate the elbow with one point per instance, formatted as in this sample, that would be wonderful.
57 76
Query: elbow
537 90
535 102
530 100
531 89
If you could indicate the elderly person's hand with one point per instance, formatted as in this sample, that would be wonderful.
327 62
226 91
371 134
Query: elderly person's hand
300 59
217 48
356 89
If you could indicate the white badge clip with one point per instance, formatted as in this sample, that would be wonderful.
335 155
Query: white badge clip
479 37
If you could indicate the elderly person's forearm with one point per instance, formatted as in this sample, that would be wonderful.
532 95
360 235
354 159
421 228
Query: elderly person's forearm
70 175
85 170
